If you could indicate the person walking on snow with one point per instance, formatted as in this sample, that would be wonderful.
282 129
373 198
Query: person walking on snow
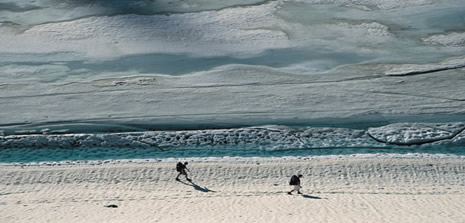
181 168
295 181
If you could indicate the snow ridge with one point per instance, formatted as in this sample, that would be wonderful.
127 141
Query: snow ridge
265 138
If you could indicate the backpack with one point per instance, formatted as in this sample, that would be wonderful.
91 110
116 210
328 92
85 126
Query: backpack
179 167
294 180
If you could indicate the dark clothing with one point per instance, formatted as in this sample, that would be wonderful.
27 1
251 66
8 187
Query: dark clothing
180 167
295 180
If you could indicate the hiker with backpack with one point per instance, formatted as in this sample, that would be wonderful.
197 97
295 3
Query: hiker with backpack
181 168
295 181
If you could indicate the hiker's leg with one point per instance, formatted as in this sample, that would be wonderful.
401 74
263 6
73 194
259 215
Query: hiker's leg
290 192
177 177
183 172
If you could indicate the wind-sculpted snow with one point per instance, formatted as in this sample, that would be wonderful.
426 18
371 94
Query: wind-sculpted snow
377 4
459 139
261 137
411 69
232 31
236 32
198 64
264 138
450 39
416 133
26 12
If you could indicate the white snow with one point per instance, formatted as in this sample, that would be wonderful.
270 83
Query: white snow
228 32
238 32
406 69
260 137
380 4
29 73
412 133
451 39
237 95
240 63
234 159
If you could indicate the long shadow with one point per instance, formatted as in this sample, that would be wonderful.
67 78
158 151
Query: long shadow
311 197
197 187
